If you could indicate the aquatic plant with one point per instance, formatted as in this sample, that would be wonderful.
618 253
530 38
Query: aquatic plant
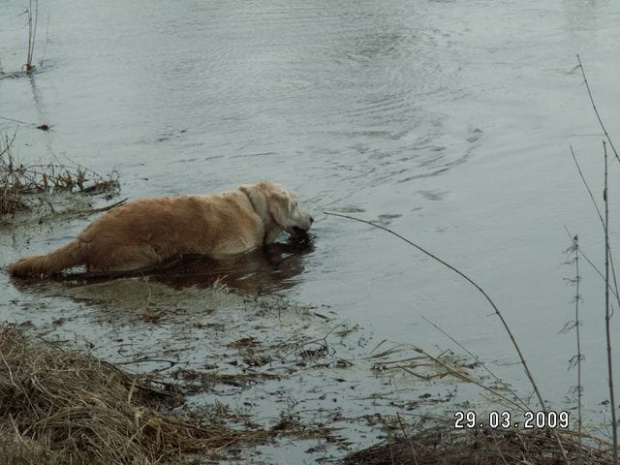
17 179
32 14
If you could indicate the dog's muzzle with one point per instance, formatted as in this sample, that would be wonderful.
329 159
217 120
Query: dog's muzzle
300 229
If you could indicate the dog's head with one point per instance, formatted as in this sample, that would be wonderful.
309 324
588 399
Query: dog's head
277 205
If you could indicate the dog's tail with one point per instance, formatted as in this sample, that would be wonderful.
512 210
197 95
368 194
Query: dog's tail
67 256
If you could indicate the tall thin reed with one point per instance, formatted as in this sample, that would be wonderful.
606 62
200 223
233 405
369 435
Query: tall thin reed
33 19
489 300
578 333
612 402
575 361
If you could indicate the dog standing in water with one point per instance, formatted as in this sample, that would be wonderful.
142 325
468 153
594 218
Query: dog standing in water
147 232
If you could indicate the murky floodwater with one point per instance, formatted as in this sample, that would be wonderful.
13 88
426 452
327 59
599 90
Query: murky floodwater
448 121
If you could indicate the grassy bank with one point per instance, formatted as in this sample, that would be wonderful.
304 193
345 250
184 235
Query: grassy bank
60 408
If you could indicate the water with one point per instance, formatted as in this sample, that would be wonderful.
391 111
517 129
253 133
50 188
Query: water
448 121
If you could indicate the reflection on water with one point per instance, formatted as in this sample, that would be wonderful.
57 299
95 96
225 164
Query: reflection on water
275 267
272 268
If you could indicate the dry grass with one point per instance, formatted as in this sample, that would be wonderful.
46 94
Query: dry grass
18 180
9 197
61 408
448 446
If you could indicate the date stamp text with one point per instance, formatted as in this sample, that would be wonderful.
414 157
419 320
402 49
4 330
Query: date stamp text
506 420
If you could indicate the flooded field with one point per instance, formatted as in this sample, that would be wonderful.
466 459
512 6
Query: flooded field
447 121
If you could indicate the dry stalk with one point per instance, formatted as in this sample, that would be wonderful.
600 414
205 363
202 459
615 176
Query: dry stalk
467 351
573 252
577 331
598 116
33 19
451 370
608 313
443 444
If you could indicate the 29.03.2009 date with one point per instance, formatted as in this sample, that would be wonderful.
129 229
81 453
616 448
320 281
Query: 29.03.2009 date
505 420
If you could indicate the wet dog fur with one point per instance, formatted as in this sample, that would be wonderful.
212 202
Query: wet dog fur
146 232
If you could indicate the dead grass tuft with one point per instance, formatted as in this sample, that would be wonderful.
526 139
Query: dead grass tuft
18 180
60 408
448 446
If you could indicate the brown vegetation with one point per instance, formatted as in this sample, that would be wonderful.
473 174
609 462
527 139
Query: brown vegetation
61 408
17 180
448 446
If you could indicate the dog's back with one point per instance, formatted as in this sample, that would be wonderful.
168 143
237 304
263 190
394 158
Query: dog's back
145 232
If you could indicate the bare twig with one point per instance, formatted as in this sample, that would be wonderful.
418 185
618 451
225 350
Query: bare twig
612 402
585 183
598 116
92 211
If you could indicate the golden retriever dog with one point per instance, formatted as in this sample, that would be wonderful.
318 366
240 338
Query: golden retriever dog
147 232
